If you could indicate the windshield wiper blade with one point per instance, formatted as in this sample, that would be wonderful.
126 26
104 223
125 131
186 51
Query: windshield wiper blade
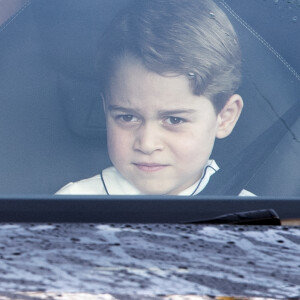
254 217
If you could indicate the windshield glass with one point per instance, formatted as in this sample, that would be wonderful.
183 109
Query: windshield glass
143 106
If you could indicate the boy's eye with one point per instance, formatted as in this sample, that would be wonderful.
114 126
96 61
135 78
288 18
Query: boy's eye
174 120
127 118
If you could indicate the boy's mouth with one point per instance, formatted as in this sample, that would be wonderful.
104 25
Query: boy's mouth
149 167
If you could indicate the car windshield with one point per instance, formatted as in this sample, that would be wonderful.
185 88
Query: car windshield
133 133
53 125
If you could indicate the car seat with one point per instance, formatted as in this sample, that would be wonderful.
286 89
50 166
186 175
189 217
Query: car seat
262 154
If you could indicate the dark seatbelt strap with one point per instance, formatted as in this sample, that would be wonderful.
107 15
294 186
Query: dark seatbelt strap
233 177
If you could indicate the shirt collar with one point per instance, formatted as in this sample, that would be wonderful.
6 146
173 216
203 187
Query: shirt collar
116 184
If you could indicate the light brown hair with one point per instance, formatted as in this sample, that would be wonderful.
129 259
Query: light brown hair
193 38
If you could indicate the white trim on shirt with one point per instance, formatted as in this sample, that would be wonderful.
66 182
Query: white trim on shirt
111 182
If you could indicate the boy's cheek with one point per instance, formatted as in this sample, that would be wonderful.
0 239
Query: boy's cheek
118 141
199 147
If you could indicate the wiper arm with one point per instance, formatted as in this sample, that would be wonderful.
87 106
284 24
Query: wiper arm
254 217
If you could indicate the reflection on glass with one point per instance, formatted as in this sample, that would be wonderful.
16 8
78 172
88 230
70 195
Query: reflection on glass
163 81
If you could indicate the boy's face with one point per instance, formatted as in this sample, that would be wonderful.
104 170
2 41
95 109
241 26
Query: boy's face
160 135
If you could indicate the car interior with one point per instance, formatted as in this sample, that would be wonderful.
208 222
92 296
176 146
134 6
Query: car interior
52 126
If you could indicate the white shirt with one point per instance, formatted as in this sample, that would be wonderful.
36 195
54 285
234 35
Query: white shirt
111 182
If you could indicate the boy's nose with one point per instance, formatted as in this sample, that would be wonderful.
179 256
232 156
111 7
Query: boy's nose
148 140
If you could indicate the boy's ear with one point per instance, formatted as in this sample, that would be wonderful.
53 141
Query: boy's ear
229 115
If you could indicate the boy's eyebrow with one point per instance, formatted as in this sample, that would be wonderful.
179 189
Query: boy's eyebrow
120 108
176 111
161 112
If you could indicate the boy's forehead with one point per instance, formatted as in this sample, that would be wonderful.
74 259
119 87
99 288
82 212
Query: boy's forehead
134 87
132 78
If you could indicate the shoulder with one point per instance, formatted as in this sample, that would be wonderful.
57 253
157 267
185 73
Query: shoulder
89 186
109 182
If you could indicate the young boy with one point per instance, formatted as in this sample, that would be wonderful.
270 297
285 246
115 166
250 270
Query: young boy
169 70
